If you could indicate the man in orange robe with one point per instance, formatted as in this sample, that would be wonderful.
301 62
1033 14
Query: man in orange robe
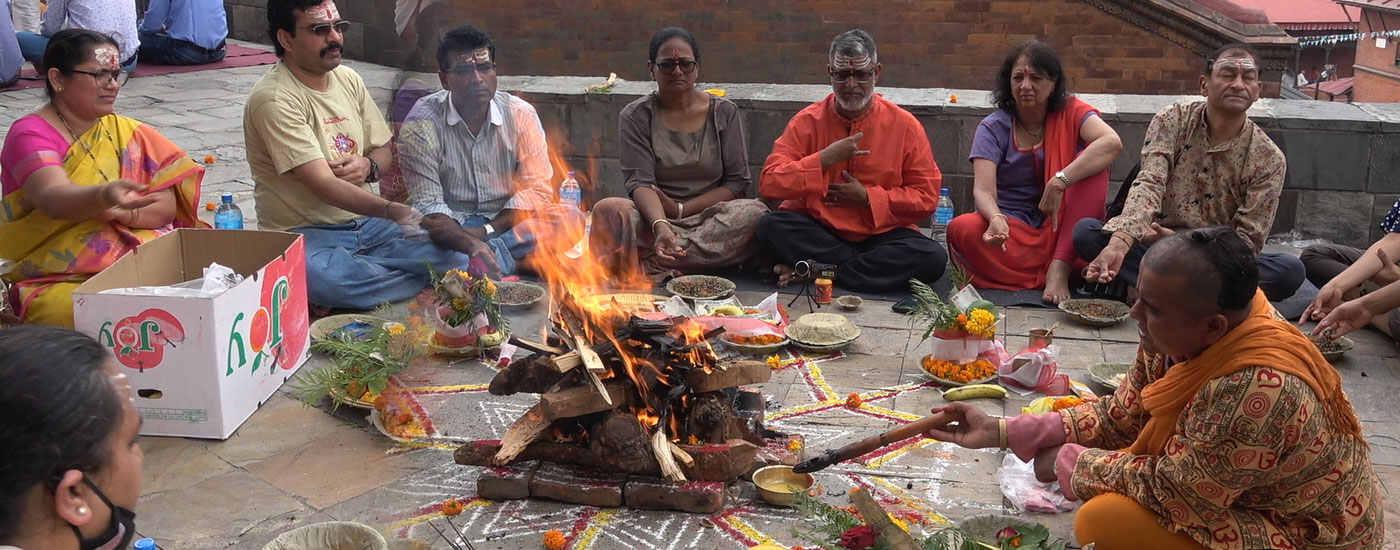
855 173
1230 432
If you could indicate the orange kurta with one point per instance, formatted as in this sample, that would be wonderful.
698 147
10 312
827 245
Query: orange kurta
899 174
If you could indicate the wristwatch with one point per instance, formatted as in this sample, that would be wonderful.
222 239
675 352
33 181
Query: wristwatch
373 171
1061 175
488 229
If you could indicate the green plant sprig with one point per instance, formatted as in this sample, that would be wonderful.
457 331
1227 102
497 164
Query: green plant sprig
930 311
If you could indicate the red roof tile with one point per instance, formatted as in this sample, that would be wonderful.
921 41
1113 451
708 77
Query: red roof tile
1309 14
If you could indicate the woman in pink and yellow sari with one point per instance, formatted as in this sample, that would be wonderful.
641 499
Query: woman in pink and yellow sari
83 186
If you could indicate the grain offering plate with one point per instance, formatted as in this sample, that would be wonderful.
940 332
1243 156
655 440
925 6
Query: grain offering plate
700 287
518 294
1095 312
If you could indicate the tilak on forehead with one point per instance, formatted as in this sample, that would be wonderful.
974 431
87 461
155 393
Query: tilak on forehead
477 57
1239 62
841 60
107 56
324 13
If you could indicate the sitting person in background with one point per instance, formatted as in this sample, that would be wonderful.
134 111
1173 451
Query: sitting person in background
11 59
183 32
1040 164
476 162
1203 164
83 186
72 470
315 141
114 18
1338 271
686 169
855 173
1230 431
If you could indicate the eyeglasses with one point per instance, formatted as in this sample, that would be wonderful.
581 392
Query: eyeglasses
103 78
844 74
462 71
324 29
687 66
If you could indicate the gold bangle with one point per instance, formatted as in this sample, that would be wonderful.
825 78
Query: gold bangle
102 196
135 215
1123 237
660 220
387 204
1001 428
997 215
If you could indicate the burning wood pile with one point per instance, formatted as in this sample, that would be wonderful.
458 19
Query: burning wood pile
635 393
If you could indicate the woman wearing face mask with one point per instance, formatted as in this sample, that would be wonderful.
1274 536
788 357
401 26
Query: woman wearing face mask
80 185
686 169
1039 164
72 465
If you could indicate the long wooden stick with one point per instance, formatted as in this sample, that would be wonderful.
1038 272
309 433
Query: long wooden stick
875 442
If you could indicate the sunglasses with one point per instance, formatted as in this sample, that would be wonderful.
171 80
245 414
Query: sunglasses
687 66
103 78
324 29
845 74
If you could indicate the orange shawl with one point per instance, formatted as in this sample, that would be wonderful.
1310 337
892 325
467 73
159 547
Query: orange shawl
1262 340
1034 248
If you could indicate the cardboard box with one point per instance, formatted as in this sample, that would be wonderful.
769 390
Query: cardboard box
201 366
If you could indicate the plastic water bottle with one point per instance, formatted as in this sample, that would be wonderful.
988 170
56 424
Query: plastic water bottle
144 544
570 192
228 216
942 217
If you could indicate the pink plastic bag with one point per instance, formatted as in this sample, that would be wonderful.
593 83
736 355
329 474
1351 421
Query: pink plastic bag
1035 369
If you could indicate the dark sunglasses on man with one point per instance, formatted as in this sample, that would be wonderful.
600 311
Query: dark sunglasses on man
324 29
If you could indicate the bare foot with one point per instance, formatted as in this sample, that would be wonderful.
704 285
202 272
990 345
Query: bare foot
1056 282
785 276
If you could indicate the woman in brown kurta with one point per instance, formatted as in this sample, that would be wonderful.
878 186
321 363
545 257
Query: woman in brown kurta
685 168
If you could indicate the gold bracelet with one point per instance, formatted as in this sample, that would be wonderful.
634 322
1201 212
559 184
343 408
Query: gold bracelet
1001 427
102 196
135 215
387 204
997 215
1121 236
660 220
680 210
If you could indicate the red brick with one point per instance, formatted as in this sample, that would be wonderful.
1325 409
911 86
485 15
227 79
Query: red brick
650 493
506 482
578 485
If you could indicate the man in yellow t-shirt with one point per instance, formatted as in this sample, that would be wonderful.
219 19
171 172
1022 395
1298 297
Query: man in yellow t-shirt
315 141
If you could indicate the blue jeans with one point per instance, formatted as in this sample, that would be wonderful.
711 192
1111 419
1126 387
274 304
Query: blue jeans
32 45
364 263
161 49
510 246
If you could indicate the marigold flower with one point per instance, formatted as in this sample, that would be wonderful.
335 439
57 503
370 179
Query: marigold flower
774 362
952 98
209 159
794 445
452 507
854 401
554 540
397 329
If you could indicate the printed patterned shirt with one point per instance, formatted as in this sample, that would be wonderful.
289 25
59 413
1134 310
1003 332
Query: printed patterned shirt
1254 463
1186 183
1391 222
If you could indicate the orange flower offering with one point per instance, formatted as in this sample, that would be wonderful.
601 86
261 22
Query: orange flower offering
209 159
756 340
794 445
952 98
452 507
964 373
774 362
554 540
854 401
211 206
1066 403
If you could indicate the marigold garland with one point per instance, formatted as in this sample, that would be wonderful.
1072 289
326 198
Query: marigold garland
452 507
1066 403
948 370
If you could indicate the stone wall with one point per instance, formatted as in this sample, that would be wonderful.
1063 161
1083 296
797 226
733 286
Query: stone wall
1341 157
1108 46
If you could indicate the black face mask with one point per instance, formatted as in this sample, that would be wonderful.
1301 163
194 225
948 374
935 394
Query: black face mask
119 532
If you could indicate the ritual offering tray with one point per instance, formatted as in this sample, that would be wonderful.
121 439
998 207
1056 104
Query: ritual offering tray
1334 348
994 529
700 287
1109 375
950 374
1095 312
356 325
364 401
518 294
822 332
758 344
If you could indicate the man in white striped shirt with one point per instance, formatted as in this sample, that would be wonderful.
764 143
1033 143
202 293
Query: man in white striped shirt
475 160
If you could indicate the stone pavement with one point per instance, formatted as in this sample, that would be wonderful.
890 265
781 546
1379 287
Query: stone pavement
292 465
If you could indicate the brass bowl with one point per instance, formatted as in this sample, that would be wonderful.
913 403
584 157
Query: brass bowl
779 484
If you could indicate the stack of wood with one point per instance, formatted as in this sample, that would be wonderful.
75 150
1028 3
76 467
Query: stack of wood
628 394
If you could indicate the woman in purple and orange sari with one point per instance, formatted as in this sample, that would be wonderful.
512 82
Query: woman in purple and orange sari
83 186
1040 164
